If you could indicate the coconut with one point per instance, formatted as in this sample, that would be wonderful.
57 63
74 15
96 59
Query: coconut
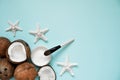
47 73
6 69
25 71
18 52
38 57
4 44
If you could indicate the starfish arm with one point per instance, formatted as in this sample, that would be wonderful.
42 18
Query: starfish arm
44 30
36 40
62 71
38 28
73 64
43 38
67 59
60 63
32 32
14 32
18 28
17 23
10 23
8 29
71 72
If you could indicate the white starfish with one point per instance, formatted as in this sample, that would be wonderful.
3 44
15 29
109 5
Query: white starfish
39 34
13 27
67 66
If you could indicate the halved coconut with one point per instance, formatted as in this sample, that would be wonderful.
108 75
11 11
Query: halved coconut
38 57
47 73
18 51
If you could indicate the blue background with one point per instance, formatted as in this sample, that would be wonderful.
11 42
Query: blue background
95 25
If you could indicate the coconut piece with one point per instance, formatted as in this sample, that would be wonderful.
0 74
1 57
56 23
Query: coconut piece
18 51
6 69
4 44
25 71
38 57
47 73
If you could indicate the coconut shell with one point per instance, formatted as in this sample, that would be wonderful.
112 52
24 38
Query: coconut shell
25 71
47 73
4 44
27 48
6 69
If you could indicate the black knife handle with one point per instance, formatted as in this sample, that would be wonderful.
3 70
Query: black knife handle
49 51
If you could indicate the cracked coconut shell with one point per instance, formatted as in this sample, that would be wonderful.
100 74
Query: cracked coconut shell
18 52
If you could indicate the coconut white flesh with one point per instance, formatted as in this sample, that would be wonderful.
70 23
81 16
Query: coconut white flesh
38 57
46 73
17 52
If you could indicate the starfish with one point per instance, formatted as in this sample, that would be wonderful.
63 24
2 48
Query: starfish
13 27
67 66
39 34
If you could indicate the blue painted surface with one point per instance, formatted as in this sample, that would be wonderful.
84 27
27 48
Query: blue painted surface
95 24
